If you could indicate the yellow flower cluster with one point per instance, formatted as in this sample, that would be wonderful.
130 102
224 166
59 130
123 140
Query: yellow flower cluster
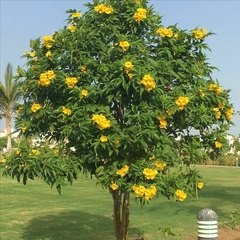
76 14
165 32
46 77
218 144
103 138
71 81
217 113
35 151
160 165
113 186
72 28
124 45
215 88
163 122
35 107
140 14
129 66
150 173
123 171
182 102
101 121
201 93
101 8
200 185
23 129
140 191
148 82
83 93
181 195
66 111
229 113
48 41
200 33
83 68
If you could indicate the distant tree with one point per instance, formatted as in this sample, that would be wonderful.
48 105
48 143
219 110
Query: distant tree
10 94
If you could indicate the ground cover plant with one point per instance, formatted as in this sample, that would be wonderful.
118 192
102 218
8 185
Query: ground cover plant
37 212
120 103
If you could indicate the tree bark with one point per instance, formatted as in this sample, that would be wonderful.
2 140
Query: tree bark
9 141
121 213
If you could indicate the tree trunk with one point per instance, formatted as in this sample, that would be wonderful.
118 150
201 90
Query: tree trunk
9 141
121 213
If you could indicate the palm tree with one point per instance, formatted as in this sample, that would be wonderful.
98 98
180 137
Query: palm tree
10 94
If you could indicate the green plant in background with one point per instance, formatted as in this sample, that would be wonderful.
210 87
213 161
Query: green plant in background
116 94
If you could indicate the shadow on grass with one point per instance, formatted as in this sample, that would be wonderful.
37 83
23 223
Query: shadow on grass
72 225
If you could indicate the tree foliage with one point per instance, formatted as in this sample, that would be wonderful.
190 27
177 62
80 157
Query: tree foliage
124 98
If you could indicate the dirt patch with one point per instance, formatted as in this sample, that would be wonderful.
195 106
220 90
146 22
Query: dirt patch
227 233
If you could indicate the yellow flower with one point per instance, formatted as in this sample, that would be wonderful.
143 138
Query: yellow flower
123 171
201 93
200 185
48 54
76 14
23 129
229 113
180 195
130 76
128 65
32 54
114 186
108 10
48 41
66 111
50 74
4 160
200 33
150 192
150 173
124 45
83 68
175 35
215 88
164 32
103 138
152 157
83 93
35 107
72 28
163 122
44 80
138 190
221 105
17 151
101 121
148 82
71 81
56 151
160 165
99 8
182 102
218 144
140 14
25 52
35 151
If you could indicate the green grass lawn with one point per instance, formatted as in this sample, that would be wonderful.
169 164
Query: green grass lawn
84 211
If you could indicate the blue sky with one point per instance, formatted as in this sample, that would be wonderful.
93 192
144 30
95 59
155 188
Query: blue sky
25 20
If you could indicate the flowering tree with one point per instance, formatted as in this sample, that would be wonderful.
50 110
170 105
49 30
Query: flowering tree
123 98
